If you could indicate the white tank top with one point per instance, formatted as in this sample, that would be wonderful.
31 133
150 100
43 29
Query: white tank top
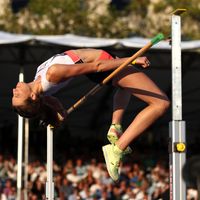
48 87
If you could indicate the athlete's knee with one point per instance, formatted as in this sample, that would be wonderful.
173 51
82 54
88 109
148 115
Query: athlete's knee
161 106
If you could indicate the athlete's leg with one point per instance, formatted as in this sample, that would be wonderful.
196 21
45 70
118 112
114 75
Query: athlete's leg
120 102
139 85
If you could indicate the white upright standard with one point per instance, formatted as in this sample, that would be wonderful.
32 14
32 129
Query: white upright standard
177 145
26 159
20 148
49 183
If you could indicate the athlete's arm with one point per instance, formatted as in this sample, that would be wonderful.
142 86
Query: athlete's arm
60 72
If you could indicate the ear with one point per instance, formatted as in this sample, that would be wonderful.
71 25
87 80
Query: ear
33 96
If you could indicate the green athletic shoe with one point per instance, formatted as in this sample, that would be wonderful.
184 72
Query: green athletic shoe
114 133
113 156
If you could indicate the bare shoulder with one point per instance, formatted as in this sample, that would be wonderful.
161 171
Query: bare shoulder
89 54
87 50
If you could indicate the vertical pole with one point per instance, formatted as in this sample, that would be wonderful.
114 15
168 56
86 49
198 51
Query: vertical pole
49 183
177 126
20 147
26 159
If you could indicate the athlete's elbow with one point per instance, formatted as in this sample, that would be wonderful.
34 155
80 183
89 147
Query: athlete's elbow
54 73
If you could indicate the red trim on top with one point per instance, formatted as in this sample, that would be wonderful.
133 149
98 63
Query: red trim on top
105 56
72 55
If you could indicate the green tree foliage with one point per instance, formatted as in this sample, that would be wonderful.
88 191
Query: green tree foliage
190 20
49 17
141 17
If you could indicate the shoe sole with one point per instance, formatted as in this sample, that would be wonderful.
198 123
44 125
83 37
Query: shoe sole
107 162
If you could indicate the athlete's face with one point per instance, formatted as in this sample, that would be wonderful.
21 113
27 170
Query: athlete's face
20 94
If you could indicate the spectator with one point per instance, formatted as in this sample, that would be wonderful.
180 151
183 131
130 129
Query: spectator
99 171
129 195
75 195
66 189
57 184
105 179
74 177
80 168
85 193
95 188
8 188
38 189
56 168
42 173
68 167
33 197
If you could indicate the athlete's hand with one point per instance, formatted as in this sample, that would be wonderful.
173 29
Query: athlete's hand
143 61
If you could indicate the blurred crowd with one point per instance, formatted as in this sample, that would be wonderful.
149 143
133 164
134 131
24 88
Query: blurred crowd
89 180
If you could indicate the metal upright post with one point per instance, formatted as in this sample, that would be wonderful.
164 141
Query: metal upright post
177 126
49 183
20 147
26 158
